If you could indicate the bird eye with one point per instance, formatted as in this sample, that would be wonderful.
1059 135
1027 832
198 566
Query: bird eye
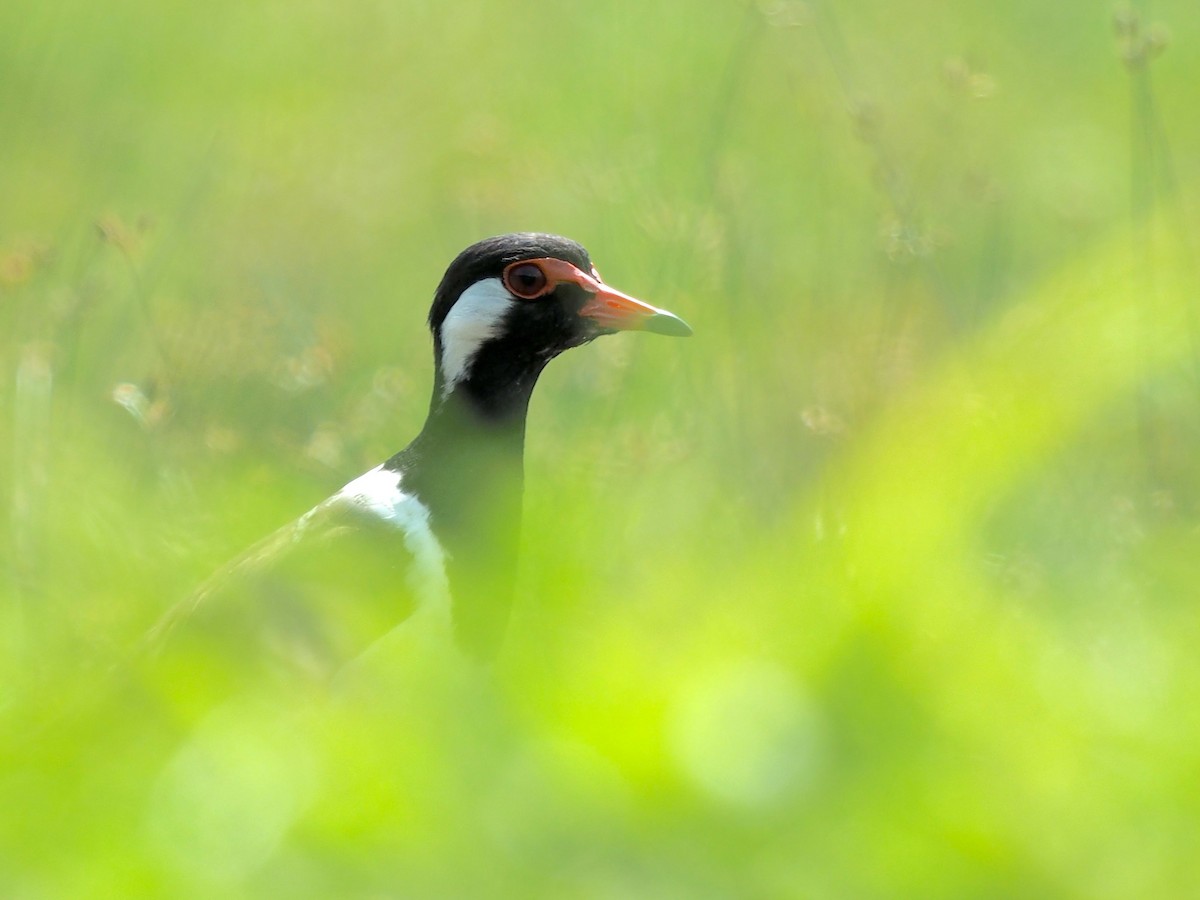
525 280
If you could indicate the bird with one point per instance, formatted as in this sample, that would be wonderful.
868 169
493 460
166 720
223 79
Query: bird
431 534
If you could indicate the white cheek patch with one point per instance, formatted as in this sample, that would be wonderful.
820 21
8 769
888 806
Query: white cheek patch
476 317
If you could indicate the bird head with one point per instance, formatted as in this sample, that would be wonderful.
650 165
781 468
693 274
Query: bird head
509 304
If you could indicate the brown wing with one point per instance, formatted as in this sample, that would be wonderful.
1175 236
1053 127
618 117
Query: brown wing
301 601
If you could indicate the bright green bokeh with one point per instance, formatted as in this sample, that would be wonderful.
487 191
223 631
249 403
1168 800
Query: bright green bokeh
882 585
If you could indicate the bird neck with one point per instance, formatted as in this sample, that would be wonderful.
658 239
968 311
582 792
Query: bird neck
484 411
467 467
476 407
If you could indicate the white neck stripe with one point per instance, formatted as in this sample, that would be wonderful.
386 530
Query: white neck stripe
475 318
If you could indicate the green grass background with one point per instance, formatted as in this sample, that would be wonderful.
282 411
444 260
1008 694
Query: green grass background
882 585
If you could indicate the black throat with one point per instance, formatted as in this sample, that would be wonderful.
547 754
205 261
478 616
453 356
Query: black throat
467 467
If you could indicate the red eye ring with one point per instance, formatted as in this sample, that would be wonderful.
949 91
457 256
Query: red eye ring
526 279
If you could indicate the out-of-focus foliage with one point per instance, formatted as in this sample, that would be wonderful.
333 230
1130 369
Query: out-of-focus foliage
882 585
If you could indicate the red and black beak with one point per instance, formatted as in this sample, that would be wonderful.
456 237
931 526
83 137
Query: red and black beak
610 309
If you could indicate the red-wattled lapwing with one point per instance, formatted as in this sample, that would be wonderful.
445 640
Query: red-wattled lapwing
440 520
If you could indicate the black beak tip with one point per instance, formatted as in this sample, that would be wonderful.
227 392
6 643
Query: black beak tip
669 324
